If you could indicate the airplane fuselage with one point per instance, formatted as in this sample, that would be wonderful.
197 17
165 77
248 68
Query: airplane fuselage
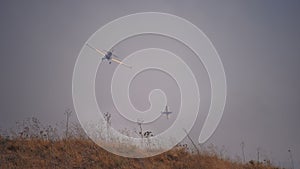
108 55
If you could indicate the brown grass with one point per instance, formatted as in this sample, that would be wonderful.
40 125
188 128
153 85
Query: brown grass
35 146
81 153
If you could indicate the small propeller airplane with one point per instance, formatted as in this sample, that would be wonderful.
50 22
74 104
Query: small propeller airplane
166 112
108 55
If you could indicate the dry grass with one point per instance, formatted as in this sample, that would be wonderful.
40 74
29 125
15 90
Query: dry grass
83 153
35 146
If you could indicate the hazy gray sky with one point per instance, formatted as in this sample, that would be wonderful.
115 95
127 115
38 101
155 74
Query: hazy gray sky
258 42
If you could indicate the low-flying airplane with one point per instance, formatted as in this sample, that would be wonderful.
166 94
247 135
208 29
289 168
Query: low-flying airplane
108 55
166 112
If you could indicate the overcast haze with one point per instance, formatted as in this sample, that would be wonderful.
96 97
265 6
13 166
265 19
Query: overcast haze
258 43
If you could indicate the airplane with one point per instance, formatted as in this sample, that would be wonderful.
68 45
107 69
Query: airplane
166 112
108 55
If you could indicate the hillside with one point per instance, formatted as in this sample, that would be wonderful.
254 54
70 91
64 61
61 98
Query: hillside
81 153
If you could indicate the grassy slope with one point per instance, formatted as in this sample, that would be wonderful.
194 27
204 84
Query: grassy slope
82 153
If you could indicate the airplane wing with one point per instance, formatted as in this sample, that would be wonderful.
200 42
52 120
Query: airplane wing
120 62
97 50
